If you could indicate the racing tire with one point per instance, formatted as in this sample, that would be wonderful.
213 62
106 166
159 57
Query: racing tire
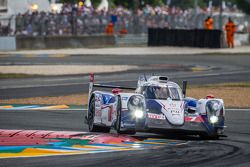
118 120
91 115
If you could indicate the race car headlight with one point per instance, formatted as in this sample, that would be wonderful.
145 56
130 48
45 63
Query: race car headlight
136 104
213 106
213 119
136 101
138 113
213 109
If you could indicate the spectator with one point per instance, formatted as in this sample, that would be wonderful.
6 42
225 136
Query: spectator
209 23
29 30
87 20
110 29
230 29
19 23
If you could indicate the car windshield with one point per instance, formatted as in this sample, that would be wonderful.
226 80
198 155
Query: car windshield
157 92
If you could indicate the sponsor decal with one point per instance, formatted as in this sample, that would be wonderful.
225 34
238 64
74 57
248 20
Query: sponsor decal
156 116
124 98
174 111
172 108
172 105
110 113
97 105
98 113
98 101
193 119
106 113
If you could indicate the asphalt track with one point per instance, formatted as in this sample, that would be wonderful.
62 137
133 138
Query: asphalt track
232 150
211 69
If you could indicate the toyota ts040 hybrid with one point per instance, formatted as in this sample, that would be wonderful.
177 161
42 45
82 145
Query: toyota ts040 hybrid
156 105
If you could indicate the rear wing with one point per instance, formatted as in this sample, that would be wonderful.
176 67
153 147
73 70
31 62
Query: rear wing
92 85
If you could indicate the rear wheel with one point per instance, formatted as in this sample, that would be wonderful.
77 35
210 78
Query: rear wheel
91 116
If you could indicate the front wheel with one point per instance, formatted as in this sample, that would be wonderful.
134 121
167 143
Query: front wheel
118 120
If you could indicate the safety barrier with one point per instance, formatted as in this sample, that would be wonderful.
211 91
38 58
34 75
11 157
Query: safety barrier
59 42
156 37
131 40
190 38
7 43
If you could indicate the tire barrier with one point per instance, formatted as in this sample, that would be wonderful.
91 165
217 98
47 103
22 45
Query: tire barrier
191 38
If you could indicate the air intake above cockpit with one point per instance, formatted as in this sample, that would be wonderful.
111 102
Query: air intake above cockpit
159 78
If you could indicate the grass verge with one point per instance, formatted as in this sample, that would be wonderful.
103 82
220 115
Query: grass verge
6 76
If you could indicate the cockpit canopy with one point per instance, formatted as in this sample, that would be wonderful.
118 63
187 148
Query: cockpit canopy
161 92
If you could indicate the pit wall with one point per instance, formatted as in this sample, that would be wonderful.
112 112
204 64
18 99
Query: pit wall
94 41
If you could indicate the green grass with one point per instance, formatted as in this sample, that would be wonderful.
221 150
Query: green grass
5 76
231 84
224 54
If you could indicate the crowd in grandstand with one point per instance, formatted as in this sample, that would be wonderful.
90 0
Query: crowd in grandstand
82 20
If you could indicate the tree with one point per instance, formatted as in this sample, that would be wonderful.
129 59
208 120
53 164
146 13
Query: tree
131 4
187 3
244 5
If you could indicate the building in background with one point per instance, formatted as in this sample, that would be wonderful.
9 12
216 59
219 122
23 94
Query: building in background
13 7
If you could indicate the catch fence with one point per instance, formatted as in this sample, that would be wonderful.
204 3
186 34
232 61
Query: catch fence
48 24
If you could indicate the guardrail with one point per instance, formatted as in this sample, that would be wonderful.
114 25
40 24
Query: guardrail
190 38
7 43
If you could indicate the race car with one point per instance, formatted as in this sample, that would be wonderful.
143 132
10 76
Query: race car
156 105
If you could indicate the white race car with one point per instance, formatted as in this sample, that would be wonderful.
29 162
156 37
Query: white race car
156 105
